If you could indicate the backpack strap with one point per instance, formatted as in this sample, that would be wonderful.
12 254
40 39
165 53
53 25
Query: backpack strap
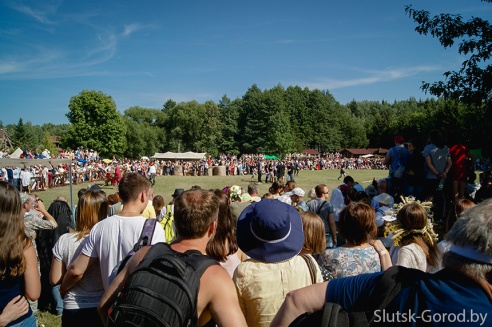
146 235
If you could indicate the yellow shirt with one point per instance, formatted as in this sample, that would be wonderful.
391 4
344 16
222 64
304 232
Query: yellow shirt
149 211
262 287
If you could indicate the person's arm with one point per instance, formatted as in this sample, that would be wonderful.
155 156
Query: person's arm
449 163
116 285
310 299
431 167
76 271
57 272
384 256
218 293
32 282
41 208
387 159
16 308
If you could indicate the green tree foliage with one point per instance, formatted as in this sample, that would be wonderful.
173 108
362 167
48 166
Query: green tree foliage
95 123
473 82
22 136
48 144
194 126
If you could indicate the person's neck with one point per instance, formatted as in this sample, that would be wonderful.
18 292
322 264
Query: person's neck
130 210
305 251
352 245
182 245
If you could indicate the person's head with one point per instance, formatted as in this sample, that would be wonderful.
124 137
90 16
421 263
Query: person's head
253 189
349 181
311 194
436 138
62 198
195 211
417 228
81 192
289 186
276 188
383 199
399 139
113 198
382 186
91 209
322 191
270 231
457 209
176 193
412 145
132 186
314 232
297 195
471 243
357 223
267 196
28 202
13 240
158 203
223 242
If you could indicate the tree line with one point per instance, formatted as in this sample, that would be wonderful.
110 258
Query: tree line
272 121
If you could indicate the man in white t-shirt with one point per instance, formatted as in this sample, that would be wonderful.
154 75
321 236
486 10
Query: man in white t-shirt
113 238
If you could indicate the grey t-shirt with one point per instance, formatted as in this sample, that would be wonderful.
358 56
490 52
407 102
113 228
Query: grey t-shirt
89 290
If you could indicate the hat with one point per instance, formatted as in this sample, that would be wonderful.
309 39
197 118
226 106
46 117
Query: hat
383 198
94 187
270 231
298 191
388 218
177 192
399 139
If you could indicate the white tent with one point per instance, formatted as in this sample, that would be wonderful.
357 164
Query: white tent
16 154
179 156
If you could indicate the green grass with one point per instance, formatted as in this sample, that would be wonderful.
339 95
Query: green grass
165 186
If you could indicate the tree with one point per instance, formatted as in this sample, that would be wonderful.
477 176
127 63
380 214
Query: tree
472 84
48 144
96 124
22 137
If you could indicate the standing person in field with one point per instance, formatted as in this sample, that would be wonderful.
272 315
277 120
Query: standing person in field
396 160
113 238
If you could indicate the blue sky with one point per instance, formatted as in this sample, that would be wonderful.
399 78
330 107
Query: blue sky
143 53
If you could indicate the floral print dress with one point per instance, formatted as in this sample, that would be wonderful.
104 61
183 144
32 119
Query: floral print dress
343 262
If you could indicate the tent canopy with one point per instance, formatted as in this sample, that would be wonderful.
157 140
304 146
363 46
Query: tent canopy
179 156
269 157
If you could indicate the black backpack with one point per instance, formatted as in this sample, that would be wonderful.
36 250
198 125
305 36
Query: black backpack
362 312
162 291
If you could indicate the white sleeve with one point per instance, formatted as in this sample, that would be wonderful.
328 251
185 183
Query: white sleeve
158 234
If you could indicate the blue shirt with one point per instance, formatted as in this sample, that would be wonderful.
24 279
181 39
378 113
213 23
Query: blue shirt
445 296
10 288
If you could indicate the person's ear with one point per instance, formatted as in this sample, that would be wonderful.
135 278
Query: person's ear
212 228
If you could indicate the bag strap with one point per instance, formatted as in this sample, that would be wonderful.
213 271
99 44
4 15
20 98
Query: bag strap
146 235
312 269
321 207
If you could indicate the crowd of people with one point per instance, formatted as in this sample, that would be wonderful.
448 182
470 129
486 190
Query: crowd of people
254 258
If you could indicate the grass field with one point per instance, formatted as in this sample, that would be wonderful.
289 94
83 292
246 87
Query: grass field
165 186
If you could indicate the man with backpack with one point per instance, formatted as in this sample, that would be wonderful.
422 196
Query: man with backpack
113 238
157 278
322 207
458 295
396 159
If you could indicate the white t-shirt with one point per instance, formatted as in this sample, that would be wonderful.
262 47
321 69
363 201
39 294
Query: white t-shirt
112 239
89 290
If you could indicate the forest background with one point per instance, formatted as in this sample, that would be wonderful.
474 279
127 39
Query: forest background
273 121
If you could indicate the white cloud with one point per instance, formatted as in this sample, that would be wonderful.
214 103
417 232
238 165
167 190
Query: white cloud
129 29
46 8
375 76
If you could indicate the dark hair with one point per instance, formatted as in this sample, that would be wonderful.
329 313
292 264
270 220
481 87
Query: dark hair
131 185
357 222
456 210
223 243
276 187
194 211
348 179
436 138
